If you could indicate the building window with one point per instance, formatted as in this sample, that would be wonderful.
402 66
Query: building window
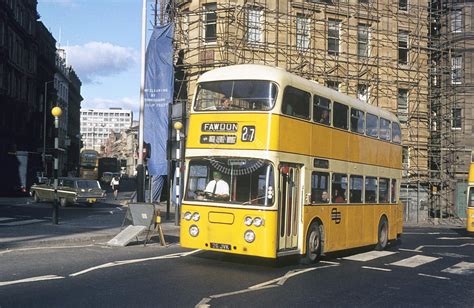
405 157
302 32
456 21
363 93
254 25
210 22
456 69
403 47
363 40
402 105
332 85
456 121
403 5
333 36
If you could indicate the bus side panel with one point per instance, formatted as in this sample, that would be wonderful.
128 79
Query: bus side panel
369 221
292 142
321 212
354 225
226 226
470 219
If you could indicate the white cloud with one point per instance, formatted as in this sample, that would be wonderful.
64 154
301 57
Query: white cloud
100 59
126 103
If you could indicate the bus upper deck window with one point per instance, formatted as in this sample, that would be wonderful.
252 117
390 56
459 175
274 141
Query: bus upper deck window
322 110
296 103
385 131
340 115
243 94
372 125
357 121
396 133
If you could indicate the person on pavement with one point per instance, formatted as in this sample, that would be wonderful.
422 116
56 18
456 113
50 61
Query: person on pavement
115 183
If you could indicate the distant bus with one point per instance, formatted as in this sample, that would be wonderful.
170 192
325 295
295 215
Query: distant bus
88 164
108 164
470 199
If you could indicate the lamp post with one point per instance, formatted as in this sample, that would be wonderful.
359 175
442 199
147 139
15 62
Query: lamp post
45 107
178 126
56 112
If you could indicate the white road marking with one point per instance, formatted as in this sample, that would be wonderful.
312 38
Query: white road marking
377 268
410 250
21 222
277 282
418 249
124 262
463 268
426 233
455 238
43 248
6 218
370 255
437 277
414 261
32 279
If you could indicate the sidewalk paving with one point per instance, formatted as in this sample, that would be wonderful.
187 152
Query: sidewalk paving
90 229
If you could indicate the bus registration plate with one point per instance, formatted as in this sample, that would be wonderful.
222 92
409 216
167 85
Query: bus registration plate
220 246
91 200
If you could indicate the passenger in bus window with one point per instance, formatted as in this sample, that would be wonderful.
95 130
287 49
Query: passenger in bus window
225 104
324 118
217 189
338 197
325 197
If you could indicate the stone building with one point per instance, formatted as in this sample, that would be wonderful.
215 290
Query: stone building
376 51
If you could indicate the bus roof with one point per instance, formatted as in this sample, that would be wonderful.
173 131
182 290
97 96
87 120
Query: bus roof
281 76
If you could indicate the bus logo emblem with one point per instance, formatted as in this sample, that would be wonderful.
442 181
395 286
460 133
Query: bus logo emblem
336 216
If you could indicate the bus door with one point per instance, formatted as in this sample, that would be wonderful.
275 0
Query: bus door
289 209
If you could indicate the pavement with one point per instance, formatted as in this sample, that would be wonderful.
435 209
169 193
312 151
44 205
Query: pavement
98 227
95 227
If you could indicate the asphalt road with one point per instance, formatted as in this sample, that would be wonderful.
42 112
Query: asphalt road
432 267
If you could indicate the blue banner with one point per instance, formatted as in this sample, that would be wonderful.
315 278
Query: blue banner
159 86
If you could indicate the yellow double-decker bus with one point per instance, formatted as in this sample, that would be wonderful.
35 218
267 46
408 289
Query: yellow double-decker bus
470 198
278 165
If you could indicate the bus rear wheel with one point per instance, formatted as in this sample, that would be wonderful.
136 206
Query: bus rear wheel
382 238
313 244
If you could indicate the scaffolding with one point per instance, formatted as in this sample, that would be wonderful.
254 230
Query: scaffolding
323 40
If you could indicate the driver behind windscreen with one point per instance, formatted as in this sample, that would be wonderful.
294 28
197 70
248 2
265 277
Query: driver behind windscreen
217 189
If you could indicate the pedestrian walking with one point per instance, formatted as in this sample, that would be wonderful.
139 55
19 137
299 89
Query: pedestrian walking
115 183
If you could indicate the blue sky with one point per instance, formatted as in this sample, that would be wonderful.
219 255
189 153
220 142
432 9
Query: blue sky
102 42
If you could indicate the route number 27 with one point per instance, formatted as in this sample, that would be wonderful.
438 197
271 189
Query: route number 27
248 133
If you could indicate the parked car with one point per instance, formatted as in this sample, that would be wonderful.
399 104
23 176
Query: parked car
106 177
70 191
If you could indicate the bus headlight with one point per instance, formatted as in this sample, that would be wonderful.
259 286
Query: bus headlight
187 216
196 216
248 221
249 236
257 221
193 231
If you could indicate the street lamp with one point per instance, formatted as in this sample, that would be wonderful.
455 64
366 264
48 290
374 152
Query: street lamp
178 126
44 122
56 112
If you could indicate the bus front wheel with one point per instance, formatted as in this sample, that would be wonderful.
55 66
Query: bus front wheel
313 244
382 238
